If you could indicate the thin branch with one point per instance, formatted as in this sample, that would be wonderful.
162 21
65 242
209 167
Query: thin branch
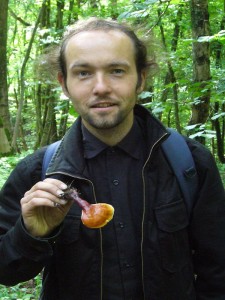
162 13
22 73
18 18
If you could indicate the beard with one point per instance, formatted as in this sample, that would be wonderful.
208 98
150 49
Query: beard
104 122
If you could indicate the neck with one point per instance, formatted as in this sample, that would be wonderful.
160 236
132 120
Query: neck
111 136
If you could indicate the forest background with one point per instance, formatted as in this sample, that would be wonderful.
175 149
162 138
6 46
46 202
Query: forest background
187 92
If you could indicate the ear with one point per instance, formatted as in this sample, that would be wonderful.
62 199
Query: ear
142 82
62 82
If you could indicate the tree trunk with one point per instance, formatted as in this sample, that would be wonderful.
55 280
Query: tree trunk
38 109
5 125
114 9
219 133
45 99
219 106
60 8
170 76
22 81
201 62
71 5
49 133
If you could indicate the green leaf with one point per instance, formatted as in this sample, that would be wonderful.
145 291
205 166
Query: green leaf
151 1
205 39
157 110
145 95
197 134
124 15
72 112
176 1
217 116
220 36
190 127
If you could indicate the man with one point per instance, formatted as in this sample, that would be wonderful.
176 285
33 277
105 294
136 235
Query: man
150 250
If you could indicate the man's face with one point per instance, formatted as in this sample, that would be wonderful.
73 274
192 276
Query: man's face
102 78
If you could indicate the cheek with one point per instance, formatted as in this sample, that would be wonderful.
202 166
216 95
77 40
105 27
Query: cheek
131 86
77 91
130 91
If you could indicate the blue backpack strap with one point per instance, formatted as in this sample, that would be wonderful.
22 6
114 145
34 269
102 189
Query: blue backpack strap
50 151
180 158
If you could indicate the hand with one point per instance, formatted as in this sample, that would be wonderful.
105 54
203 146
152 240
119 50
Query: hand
42 209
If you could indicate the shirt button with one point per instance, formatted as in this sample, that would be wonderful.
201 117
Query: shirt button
127 265
115 182
111 151
121 225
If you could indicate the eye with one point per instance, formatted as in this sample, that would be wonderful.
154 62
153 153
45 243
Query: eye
118 71
83 74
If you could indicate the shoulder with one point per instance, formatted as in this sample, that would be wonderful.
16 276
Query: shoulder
201 153
205 162
26 173
33 161
29 168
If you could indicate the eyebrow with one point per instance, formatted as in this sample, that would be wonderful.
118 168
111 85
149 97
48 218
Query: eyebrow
112 64
119 63
79 65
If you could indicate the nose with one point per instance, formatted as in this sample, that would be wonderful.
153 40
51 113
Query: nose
101 85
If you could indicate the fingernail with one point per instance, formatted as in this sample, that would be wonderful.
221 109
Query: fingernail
62 201
60 193
63 186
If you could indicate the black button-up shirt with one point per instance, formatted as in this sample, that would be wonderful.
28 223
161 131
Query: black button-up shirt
117 176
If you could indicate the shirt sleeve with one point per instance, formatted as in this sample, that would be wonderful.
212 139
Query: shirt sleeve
207 230
21 256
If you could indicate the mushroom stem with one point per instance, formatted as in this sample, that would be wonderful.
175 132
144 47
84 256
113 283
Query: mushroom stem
72 194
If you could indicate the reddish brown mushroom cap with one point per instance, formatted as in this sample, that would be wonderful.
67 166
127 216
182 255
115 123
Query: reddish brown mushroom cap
97 215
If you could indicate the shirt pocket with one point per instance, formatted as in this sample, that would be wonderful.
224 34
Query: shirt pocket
71 230
172 221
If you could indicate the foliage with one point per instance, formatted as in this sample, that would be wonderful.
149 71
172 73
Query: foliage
155 20
9 162
221 168
24 291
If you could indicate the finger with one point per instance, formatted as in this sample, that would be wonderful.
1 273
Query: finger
53 186
34 202
40 194
59 183
36 199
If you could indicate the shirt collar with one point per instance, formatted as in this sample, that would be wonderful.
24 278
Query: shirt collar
130 143
92 145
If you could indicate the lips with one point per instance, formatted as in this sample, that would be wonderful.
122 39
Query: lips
103 105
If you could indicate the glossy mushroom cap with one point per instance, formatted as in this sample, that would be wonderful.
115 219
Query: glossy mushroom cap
97 215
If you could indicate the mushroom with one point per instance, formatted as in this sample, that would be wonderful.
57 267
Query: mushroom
93 215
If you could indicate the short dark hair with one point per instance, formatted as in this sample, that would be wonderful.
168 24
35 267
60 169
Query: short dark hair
92 24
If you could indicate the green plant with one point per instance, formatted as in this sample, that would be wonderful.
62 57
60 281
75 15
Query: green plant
29 290
8 163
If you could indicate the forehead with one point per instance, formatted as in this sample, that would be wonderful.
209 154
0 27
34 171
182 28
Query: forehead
100 41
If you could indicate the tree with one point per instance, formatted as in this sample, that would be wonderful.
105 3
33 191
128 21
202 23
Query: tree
218 120
44 100
185 84
5 125
170 75
201 62
22 80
